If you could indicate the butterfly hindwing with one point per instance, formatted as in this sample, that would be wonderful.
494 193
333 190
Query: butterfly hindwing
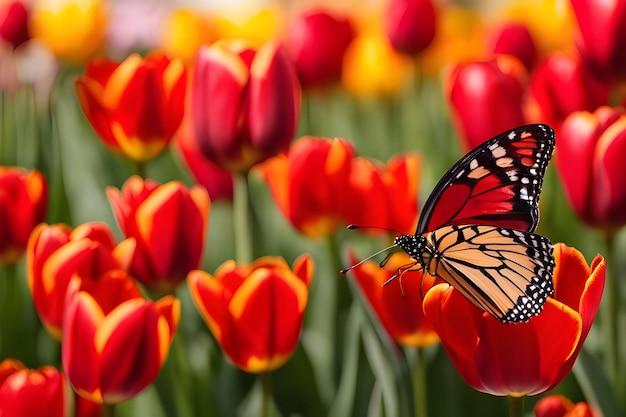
505 272
498 183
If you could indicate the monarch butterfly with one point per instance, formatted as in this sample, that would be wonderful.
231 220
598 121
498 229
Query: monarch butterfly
476 228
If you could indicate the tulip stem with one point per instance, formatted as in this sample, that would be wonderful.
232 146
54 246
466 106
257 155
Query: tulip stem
108 410
516 406
419 379
241 205
140 167
266 384
611 313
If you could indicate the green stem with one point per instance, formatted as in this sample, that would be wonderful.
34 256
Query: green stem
241 208
419 379
516 406
140 169
266 384
108 410
611 312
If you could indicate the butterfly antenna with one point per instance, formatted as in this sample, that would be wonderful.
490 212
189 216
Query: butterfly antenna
345 270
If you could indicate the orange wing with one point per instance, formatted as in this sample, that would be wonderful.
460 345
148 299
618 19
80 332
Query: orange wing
505 272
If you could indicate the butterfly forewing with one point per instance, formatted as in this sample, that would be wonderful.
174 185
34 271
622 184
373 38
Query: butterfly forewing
497 184
505 272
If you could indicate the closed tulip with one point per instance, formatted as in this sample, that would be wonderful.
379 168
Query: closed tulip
169 224
73 31
590 164
14 17
317 40
601 36
23 205
245 103
410 25
110 353
557 405
515 39
254 311
561 85
31 392
486 97
134 106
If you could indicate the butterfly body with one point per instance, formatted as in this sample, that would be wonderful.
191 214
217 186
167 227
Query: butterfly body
476 229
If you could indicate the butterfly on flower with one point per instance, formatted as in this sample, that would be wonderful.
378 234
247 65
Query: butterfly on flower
476 230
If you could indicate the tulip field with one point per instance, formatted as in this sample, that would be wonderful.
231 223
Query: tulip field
265 209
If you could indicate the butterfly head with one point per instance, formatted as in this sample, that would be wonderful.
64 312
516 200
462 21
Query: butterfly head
413 245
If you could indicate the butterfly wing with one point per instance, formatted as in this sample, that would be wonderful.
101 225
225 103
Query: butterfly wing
498 183
505 272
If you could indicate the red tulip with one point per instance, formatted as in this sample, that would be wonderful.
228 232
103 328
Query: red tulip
317 41
254 311
14 23
410 25
245 103
310 183
111 353
56 254
515 39
23 204
561 85
601 36
486 97
136 106
217 181
31 392
397 305
559 406
169 224
524 358
590 163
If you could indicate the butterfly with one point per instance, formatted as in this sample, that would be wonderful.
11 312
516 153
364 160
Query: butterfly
476 229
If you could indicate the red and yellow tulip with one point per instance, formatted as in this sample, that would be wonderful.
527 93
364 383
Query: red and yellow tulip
168 223
135 106
112 352
254 311
23 205
310 182
56 253
493 357
557 405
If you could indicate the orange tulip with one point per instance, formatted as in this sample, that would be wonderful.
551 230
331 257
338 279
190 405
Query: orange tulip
559 406
254 311
31 392
56 253
397 305
495 357
111 353
136 106
169 224
23 204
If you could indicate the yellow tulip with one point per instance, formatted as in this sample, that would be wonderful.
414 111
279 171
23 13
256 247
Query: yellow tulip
256 28
185 32
73 30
